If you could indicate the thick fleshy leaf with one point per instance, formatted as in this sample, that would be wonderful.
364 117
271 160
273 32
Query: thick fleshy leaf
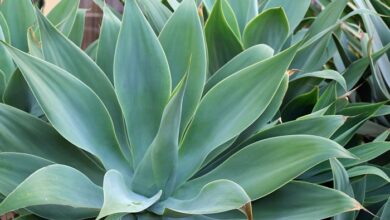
325 127
341 183
60 51
56 185
107 39
118 198
2 85
63 15
267 165
211 199
12 174
4 28
158 168
218 35
303 201
77 33
325 74
142 79
247 58
72 108
219 117
295 10
300 105
183 48
40 139
258 32
17 24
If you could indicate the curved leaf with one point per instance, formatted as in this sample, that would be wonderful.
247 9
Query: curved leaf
244 10
258 32
303 201
182 48
155 12
60 51
219 118
59 185
368 170
72 108
77 33
219 34
246 58
212 198
325 74
118 198
7 65
142 79
267 165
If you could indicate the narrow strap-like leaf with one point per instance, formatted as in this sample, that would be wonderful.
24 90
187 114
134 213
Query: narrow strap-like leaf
63 15
77 33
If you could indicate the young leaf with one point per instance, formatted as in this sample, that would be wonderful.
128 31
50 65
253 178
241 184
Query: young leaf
184 47
142 79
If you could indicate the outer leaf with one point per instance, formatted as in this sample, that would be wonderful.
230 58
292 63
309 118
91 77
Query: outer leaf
77 32
295 10
184 47
158 168
142 79
258 32
60 51
219 118
12 174
269 164
63 15
218 35
212 198
59 185
72 108
107 39
118 198
5 28
303 201
17 24
2 85
40 139
247 58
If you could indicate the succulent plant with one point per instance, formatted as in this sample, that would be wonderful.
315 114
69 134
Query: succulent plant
190 112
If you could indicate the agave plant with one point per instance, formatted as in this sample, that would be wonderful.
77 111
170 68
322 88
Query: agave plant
218 112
